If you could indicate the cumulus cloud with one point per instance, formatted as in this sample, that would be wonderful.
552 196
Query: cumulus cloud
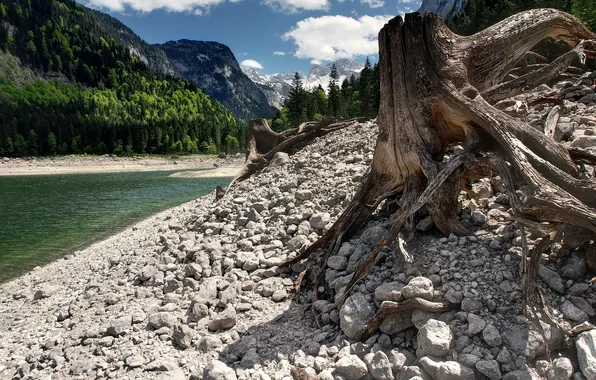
373 3
251 63
329 38
316 62
293 6
197 7
279 53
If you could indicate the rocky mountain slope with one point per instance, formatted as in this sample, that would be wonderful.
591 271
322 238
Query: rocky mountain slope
444 8
277 86
213 67
198 292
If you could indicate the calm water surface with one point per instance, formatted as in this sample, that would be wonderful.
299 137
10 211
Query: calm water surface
45 217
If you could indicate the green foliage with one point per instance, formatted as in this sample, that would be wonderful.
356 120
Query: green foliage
128 105
357 97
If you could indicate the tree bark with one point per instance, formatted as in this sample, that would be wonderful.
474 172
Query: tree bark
437 90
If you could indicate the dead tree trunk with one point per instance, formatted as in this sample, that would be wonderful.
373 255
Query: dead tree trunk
436 91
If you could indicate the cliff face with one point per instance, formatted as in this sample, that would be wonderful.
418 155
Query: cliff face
213 67
444 8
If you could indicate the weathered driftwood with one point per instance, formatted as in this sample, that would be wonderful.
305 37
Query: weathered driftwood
437 90
264 143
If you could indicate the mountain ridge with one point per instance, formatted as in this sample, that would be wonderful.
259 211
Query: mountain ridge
277 86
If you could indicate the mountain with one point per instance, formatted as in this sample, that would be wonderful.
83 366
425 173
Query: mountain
75 80
444 8
213 67
277 86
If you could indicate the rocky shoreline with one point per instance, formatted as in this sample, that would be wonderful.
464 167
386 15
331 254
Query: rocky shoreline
197 292
114 164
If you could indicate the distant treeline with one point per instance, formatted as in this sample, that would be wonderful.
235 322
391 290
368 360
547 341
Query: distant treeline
111 94
353 98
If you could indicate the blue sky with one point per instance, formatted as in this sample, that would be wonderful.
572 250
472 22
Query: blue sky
277 35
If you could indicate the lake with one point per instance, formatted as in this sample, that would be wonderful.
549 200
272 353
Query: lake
45 217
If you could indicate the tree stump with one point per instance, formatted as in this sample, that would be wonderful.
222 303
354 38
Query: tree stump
437 91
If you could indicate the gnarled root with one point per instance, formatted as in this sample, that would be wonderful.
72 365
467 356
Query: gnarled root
436 91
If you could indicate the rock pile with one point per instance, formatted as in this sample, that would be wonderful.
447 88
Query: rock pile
197 291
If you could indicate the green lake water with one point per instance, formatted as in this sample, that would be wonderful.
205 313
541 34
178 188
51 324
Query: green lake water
45 217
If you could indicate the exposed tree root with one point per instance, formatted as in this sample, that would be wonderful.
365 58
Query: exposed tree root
437 90
263 143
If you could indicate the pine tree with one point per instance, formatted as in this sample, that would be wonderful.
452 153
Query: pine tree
297 101
364 89
334 97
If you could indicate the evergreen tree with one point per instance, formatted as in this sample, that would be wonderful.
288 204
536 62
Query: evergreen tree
364 89
334 97
297 101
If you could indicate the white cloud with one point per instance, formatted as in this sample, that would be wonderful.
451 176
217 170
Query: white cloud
293 6
373 3
197 7
333 37
316 62
251 63
279 53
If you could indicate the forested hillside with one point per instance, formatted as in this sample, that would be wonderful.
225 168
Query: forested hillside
104 90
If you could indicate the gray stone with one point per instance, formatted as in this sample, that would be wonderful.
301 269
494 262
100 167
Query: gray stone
197 311
446 370
397 360
469 304
355 313
584 141
572 312
425 224
489 368
455 296
297 242
303 195
380 367
491 335
224 320
337 262
396 323
584 305
351 367
413 373
147 272
475 323
119 326
577 289
528 340
562 369
563 131
279 159
481 190
135 361
162 319
209 343
478 217
183 336
45 291
434 339
217 370
574 268
372 235
390 291
319 221
420 287
551 278
585 343
518 375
